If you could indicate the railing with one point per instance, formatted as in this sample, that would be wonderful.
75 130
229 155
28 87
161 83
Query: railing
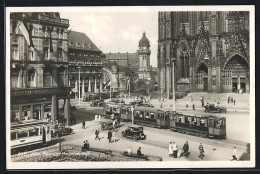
51 19
36 91
86 64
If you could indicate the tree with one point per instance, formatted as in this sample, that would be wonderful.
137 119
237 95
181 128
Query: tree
130 73
144 86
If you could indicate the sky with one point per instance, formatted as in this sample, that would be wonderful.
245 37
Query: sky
117 31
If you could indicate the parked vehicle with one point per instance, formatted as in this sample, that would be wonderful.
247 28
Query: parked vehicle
107 125
212 108
134 132
97 103
60 129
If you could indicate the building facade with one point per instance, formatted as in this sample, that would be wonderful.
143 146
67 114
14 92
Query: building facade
85 66
210 51
139 61
39 65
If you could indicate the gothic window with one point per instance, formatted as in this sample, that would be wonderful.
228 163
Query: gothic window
14 78
46 52
59 52
15 52
47 77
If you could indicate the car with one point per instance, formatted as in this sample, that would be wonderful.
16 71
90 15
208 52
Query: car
137 103
108 125
115 100
97 103
60 129
212 108
134 132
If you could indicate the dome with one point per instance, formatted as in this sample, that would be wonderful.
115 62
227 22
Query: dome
144 41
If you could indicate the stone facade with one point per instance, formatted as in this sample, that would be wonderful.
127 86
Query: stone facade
84 59
39 65
210 50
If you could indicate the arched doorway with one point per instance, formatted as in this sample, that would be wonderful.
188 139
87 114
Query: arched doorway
202 78
236 74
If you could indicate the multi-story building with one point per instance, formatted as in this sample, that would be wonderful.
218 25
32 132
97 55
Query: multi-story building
39 65
85 66
210 50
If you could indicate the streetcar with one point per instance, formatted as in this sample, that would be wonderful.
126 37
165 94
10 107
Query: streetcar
151 117
112 111
27 134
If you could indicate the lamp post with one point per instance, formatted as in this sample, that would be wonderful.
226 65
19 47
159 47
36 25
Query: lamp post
129 86
79 84
132 110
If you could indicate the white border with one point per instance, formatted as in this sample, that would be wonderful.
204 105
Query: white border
120 165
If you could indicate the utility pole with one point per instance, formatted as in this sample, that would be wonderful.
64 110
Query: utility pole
129 85
173 87
79 85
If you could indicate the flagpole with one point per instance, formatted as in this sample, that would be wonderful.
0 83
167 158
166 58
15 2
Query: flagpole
110 91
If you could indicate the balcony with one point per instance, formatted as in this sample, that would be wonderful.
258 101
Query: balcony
39 91
85 64
54 19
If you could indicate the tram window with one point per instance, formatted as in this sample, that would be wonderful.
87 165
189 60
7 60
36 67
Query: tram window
13 135
22 134
202 122
141 113
32 133
137 113
37 131
211 123
48 129
193 121
186 120
123 111
158 116
180 119
152 115
147 115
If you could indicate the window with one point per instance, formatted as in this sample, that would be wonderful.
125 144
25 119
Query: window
152 115
59 52
15 52
46 52
31 53
31 78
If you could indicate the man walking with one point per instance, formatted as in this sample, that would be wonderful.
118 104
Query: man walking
185 149
83 124
109 135
201 149
170 149
193 106
97 133
174 149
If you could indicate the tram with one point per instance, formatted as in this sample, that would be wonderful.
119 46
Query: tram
28 134
198 125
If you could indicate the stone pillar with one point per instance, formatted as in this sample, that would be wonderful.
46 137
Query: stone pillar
95 88
168 83
238 83
42 110
101 85
54 77
67 109
54 108
173 88
89 85
83 87
210 79
76 85
69 82
20 112
31 116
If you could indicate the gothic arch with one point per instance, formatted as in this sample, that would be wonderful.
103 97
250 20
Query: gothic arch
183 56
232 57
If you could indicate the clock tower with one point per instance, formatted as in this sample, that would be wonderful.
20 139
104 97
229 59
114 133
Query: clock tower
144 56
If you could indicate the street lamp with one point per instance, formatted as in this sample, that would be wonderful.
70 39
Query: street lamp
132 110
79 84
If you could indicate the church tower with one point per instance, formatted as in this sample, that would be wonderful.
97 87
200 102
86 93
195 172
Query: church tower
144 56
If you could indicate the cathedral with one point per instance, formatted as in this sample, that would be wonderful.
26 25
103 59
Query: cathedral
210 51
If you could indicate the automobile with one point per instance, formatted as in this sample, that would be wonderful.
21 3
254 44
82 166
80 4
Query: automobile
60 129
115 100
97 103
134 132
105 125
212 108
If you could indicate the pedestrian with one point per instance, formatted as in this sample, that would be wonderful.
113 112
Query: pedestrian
228 99
174 150
96 118
97 135
234 156
114 136
218 101
99 118
202 103
234 102
114 123
112 116
170 149
129 150
83 124
161 105
185 149
139 153
191 99
201 150
193 106
109 136
163 99
187 105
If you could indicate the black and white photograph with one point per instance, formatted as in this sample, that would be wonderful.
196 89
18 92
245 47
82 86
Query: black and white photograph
130 87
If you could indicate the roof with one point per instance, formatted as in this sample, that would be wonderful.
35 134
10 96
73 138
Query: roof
146 109
144 41
78 40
